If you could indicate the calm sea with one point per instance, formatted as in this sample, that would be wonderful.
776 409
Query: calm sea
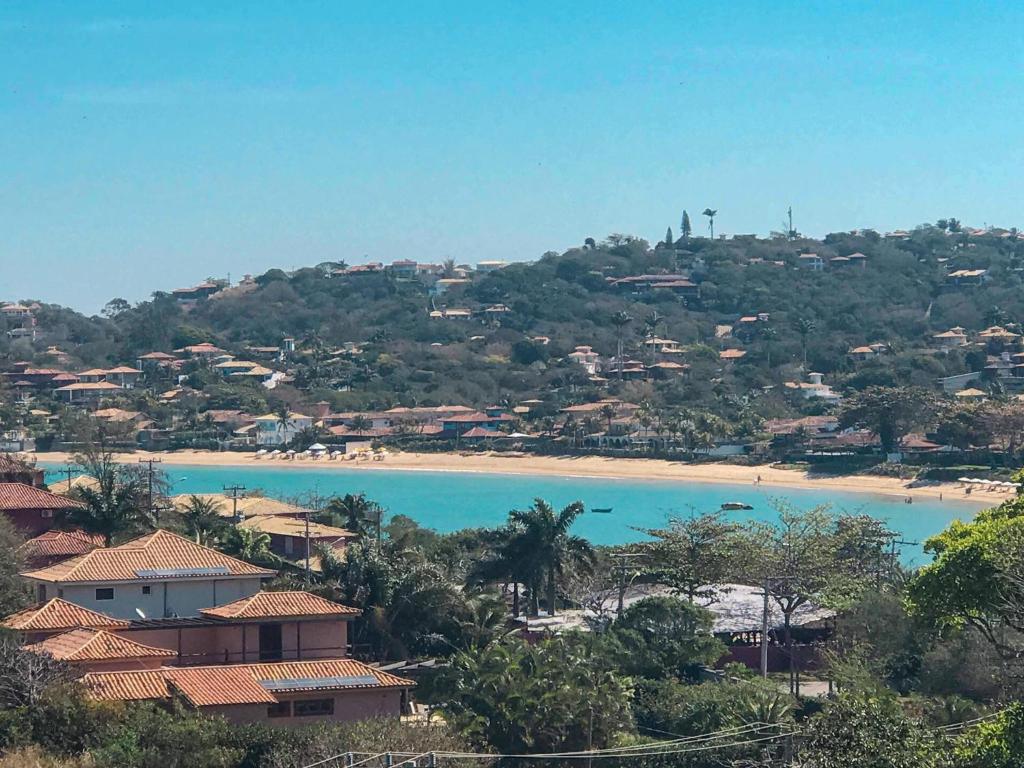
448 501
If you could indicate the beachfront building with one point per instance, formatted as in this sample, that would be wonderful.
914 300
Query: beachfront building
273 430
32 510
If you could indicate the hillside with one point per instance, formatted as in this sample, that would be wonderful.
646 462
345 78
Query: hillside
370 337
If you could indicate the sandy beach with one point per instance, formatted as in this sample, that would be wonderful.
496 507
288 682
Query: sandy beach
583 466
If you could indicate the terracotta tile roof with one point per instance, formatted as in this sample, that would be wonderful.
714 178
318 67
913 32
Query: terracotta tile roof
57 543
294 526
104 386
15 496
59 614
265 605
96 645
148 557
239 683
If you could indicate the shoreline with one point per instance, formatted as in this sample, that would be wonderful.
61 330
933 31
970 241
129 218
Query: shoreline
594 467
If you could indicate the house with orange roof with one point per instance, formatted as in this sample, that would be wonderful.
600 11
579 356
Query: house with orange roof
32 510
98 650
288 693
267 626
87 391
54 546
160 574
124 376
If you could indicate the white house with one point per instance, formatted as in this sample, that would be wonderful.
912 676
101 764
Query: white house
815 388
159 575
272 431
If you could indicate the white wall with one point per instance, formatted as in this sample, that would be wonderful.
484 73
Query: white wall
183 597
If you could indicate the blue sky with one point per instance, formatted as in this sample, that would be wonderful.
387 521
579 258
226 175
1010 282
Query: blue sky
146 146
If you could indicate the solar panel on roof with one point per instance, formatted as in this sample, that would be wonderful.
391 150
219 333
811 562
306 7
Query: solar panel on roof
166 573
336 681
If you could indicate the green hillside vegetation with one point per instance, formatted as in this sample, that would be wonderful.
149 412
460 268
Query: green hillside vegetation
901 298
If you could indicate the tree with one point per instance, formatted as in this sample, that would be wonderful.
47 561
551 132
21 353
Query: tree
559 694
668 237
540 535
858 731
14 592
806 556
202 518
665 637
693 555
805 326
250 545
25 676
889 412
711 213
360 514
608 412
684 228
114 504
997 743
620 320
977 578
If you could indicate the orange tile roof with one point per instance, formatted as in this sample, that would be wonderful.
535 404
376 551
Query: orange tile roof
239 683
60 543
159 551
15 496
264 605
59 614
96 645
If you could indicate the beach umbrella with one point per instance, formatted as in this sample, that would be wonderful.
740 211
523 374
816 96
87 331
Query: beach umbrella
963 479
318 447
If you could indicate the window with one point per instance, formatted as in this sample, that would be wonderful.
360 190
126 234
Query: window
105 593
41 593
314 707
147 590
280 709
46 513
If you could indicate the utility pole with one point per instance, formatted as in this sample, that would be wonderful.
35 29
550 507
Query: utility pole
623 557
153 513
234 490
892 553
68 469
764 631
314 502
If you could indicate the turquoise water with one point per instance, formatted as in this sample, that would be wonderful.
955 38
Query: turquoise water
448 501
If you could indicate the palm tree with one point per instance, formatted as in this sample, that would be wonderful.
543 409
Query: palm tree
202 518
250 545
542 535
805 326
651 323
284 420
483 621
769 335
358 512
608 412
711 213
448 268
620 320
112 506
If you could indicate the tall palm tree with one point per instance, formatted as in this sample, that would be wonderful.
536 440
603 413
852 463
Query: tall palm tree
620 320
113 505
202 518
608 412
360 423
651 323
284 420
805 326
542 535
768 335
711 213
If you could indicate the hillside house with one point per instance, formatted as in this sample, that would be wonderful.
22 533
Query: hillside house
586 357
962 278
814 388
54 546
15 470
288 535
951 339
88 392
810 261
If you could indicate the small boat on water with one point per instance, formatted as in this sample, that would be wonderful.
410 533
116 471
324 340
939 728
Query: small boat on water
732 505
602 510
